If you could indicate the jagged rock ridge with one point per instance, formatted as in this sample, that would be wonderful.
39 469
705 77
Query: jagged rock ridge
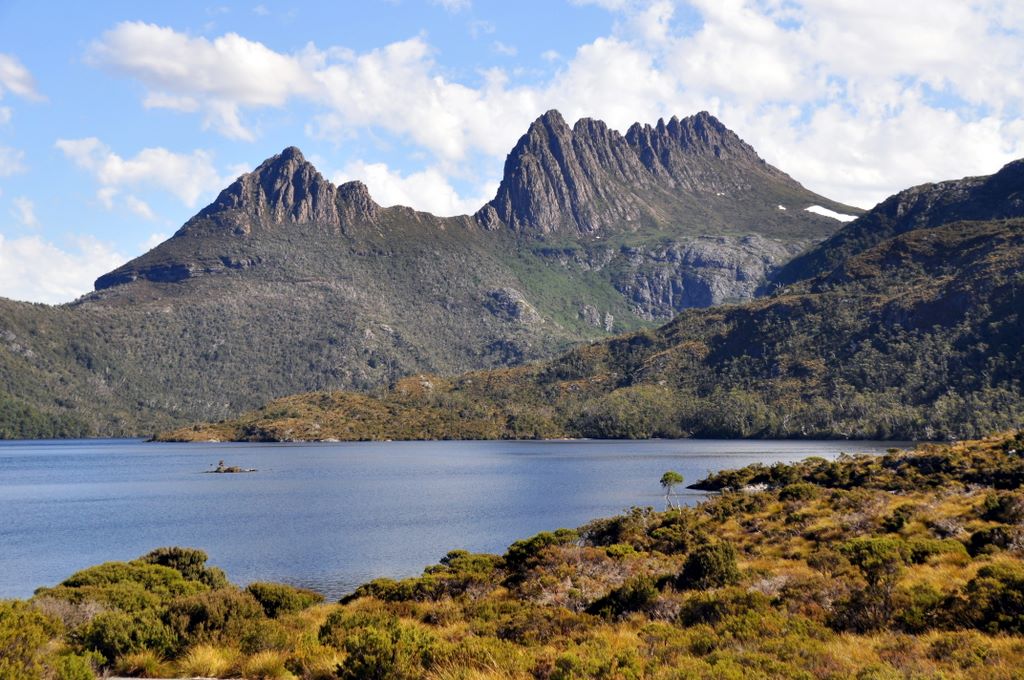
589 177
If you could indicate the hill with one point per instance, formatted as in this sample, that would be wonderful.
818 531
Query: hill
288 283
918 337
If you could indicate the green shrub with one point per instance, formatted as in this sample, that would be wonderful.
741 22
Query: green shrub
115 633
920 608
709 566
523 555
189 562
799 491
923 549
899 518
74 666
278 598
213 616
994 598
23 633
336 628
635 595
992 539
713 608
264 635
390 652
159 581
1006 507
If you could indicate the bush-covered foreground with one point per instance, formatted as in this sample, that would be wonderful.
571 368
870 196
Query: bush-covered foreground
903 566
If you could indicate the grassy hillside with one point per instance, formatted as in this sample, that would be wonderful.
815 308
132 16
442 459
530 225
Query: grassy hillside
902 566
919 337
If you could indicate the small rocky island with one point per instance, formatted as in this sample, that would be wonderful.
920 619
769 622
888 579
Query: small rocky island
228 469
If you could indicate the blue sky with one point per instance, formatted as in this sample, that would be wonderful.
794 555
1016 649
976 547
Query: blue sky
119 120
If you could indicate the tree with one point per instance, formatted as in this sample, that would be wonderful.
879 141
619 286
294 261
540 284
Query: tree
668 480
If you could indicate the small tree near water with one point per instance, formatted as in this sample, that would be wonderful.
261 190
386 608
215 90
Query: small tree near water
669 480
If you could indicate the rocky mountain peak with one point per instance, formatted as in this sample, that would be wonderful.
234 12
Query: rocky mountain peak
288 188
589 177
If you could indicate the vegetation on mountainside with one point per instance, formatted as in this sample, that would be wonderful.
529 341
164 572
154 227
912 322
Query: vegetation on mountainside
907 565
917 338
288 284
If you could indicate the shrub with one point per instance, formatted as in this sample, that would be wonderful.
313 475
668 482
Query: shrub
633 596
799 491
1006 507
336 628
136 581
995 598
898 518
711 565
921 607
992 539
278 598
966 649
189 562
391 652
524 554
923 549
712 608
216 615
115 634
74 667
23 632
265 635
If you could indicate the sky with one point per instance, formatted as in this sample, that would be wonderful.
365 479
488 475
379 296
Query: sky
120 120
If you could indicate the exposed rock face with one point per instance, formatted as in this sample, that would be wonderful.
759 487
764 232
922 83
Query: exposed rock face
998 196
557 176
662 279
285 189
590 178
698 154
511 305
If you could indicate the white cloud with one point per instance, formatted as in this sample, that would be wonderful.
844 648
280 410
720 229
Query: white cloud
452 5
153 241
12 161
162 100
550 55
139 207
24 211
855 101
224 73
187 176
5 115
36 270
261 10
427 190
15 78
505 50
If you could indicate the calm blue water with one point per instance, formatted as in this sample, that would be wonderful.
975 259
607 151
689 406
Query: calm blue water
329 516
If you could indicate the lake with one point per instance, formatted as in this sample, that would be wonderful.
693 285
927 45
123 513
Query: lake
330 516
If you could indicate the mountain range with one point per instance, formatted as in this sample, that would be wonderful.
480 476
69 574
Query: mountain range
905 324
287 283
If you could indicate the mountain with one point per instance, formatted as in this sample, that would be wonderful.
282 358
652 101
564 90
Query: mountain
288 283
998 196
916 333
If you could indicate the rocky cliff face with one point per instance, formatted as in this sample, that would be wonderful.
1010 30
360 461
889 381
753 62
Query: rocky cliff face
288 188
589 179
285 189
